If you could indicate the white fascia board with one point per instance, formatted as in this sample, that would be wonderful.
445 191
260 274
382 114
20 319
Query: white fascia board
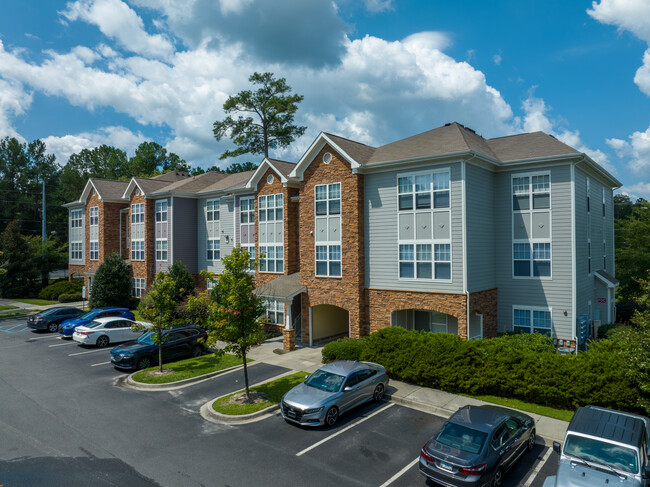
605 281
261 169
314 149
388 165
129 189
86 192
600 171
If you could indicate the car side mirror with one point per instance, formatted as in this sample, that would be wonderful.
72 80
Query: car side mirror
557 447
347 389
307 376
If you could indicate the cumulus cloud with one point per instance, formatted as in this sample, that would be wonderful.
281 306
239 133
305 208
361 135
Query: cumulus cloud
536 118
378 5
14 101
633 16
636 150
118 21
120 137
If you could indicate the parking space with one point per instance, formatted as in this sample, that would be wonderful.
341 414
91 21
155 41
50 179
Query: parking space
13 325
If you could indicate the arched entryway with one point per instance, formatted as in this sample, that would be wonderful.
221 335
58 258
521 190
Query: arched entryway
328 322
425 320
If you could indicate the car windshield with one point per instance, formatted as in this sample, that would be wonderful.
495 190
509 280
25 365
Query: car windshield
47 312
147 338
325 381
89 315
93 324
461 437
598 451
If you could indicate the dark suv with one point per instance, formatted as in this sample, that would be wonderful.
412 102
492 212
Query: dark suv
51 318
180 342
67 328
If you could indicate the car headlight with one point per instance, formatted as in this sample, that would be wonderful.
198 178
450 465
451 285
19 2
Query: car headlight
126 355
313 410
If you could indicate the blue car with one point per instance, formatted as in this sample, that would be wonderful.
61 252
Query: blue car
66 329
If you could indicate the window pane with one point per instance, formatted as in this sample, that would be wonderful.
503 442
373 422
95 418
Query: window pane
279 252
443 252
441 199
406 202
270 214
335 252
541 201
335 207
522 268
423 183
423 200
520 185
271 265
443 270
321 252
542 319
335 191
262 215
321 268
406 252
335 268
424 252
262 202
522 251
541 183
522 318
541 268
405 184
278 214
542 251
424 270
406 269
279 266
278 200
321 192
321 208
440 181
521 202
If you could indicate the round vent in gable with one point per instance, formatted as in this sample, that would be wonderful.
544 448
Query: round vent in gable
269 178
137 192
327 158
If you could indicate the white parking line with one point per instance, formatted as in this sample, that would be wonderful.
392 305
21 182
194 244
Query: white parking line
400 473
60 344
344 429
102 363
42 338
538 467
89 351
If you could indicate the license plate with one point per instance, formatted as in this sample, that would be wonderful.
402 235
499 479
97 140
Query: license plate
446 466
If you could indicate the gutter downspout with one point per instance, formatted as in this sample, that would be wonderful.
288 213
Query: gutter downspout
574 277
463 175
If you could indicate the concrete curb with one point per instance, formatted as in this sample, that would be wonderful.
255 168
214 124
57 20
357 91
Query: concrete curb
209 414
170 386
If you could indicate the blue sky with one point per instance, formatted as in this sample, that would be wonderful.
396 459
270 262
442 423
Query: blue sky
82 73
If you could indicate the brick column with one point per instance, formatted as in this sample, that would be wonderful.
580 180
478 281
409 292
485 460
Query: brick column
289 339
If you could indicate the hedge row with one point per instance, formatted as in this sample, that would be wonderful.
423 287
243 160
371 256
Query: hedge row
521 366
53 291
70 298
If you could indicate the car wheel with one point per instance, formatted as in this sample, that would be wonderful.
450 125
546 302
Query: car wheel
379 393
102 341
52 327
331 416
196 351
497 481
143 363
531 441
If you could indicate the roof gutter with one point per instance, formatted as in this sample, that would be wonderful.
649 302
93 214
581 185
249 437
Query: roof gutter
369 167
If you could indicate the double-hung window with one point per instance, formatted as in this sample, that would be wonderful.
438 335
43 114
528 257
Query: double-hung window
76 218
213 227
424 238
93 231
529 320
76 251
76 235
161 211
94 216
275 312
162 230
137 231
161 249
327 205
271 232
137 287
247 227
531 217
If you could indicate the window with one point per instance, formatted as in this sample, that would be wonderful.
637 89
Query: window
161 211
137 213
76 218
589 256
94 250
161 249
328 199
423 191
94 216
212 211
604 255
327 203
328 260
137 287
588 198
529 320
76 251
211 283
535 188
538 266
246 210
275 312
137 249
270 222
603 202
251 252
417 261
214 249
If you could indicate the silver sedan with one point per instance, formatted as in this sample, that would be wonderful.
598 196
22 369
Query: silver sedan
332 390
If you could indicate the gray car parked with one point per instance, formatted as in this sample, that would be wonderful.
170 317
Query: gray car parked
332 390
476 446
603 447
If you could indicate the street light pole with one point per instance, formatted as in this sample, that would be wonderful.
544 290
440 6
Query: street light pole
43 230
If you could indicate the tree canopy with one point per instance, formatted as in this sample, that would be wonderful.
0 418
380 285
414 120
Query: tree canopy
268 124
112 283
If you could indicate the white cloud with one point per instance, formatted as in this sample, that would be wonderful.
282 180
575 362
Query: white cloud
636 151
14 101
536 119
637 190
633 16
497 59
120 137
120 22
378 5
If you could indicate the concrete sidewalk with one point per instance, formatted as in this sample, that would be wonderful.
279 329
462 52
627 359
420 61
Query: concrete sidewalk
424 399
31 307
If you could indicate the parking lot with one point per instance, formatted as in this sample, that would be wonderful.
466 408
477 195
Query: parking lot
66 417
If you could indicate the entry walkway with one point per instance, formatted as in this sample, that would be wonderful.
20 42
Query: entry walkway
424 399
29 307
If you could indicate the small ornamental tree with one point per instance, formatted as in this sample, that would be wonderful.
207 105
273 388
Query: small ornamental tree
237 314
158 306
112 283
183 282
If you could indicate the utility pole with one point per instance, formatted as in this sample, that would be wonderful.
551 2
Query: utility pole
44 277
43 230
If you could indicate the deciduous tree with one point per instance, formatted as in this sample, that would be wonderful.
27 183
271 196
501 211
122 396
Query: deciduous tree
112 283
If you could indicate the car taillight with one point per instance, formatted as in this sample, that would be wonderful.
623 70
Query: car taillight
85 332
425 455
475 470
38 319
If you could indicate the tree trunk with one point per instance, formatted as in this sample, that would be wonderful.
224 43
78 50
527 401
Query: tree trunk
248 394
160 356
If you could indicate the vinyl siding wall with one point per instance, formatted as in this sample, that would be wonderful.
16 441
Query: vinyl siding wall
183 225
481 233
553 293
226 227
162 231
381 232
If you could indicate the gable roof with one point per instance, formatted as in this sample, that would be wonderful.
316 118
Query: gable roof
193 184
229 183
528 146
281 168
107 190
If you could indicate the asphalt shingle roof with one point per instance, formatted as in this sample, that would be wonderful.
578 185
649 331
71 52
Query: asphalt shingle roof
231 181
284 167
109 189
281 287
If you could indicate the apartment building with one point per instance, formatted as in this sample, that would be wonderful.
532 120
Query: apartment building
444 231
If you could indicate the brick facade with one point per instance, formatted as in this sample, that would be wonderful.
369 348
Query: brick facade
346 292
145 268
485 303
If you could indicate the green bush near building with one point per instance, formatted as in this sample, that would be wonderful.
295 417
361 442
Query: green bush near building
54 290
519 366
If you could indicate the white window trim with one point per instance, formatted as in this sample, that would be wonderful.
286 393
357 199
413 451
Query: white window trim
213 225
207 249
140 249
432 241
531 211
91 210
136 290
273 307
329 243
157 211
249 248
161 250
90 250
76 216
271 244
531 309
79 251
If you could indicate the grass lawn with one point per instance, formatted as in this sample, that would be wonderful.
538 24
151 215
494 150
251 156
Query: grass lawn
8 306
186 369
562 414
38 302
22 312
274 390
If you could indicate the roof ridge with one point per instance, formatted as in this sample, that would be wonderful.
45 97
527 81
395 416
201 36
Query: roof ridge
462 133
518 135
349 140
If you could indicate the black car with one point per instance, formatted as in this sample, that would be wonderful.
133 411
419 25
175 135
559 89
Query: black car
180 342
476 446
51 318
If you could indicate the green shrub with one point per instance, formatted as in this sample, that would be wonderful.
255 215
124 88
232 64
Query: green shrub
112 283
343 349
605 331
70 298
55 289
